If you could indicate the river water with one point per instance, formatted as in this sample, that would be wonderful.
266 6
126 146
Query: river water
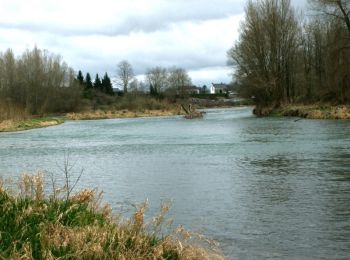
264 188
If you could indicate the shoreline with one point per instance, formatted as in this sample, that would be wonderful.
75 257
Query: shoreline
115 114
79 225
30 123
8 126
314 111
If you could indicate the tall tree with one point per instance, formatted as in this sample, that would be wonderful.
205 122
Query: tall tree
334 9
97 83
38 82
157 78
125 74
332 57
265 55
88 82
107 85
80 78
179 80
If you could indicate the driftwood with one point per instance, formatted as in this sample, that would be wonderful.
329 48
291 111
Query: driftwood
190 113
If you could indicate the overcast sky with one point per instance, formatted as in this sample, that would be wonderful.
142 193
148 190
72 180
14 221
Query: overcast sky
93 36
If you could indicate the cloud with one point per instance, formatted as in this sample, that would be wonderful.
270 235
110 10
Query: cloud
206 76
110 17
94 36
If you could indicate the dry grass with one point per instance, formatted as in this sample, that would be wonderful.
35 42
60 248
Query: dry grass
110 114
11 111
20 125
316 111
33 226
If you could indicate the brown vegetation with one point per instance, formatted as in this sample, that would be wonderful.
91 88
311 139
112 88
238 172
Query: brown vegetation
78 226
30 123
110 114
313 111
283 58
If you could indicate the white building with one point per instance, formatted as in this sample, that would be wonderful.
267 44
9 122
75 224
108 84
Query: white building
220 88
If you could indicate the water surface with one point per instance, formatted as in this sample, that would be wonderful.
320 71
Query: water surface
265 188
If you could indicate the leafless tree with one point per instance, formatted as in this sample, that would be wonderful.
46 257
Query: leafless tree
157 78
38 81
125 74
265 55
335 9
179 80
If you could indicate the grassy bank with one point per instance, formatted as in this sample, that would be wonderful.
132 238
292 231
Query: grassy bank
314 111
26 124
77 226
13 125
110 114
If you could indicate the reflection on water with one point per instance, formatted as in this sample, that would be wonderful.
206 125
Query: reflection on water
262 187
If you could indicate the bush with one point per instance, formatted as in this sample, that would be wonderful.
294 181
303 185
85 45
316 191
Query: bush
77 226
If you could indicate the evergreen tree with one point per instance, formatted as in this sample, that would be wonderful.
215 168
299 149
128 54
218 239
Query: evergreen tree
98 83
80 78
88 82
107 85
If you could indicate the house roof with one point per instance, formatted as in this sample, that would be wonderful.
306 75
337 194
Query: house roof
193 88
220 85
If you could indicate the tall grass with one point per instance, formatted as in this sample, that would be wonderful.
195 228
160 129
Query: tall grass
79 226
11 111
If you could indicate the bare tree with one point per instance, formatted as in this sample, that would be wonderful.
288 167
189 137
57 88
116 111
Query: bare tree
336 9
125 74
179 79
265 55
331 58
157 78
38 82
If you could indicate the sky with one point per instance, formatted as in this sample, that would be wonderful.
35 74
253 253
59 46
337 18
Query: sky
94 36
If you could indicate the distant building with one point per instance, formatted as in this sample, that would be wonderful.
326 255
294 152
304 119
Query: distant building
205 90
220 88
193 90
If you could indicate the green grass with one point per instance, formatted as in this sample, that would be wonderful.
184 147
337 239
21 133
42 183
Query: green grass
31 123
34 226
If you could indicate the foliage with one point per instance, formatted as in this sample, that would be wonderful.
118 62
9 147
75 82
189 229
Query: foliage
106 85
97 83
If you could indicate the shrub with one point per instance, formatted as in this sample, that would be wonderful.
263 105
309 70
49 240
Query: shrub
78 226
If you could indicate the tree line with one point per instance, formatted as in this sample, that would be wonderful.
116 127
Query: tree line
282 57
103 85
37 82
158 80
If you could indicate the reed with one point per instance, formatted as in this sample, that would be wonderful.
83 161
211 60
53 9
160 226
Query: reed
315 111
35 226
11 111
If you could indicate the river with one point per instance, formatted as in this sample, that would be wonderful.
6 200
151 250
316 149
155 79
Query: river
264 188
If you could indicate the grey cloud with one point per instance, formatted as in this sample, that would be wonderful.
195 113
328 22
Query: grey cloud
159 18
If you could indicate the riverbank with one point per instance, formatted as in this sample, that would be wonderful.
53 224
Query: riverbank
315 111
31 123
112 114
40 122
77 226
